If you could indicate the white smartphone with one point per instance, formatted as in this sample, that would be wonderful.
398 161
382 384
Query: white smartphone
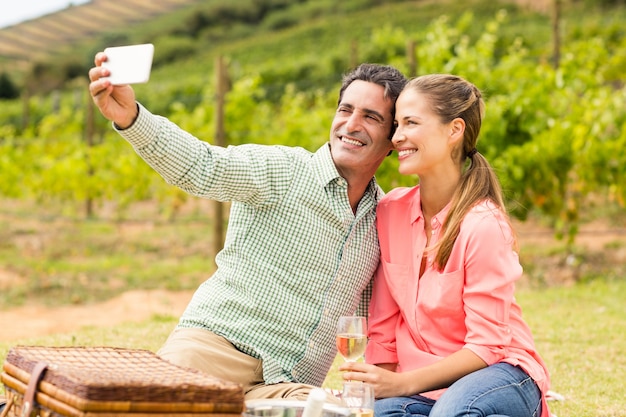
129 64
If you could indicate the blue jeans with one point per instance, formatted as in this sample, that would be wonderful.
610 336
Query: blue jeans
498 390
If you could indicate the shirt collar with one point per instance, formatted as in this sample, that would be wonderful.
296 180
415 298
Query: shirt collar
416 210
323 166
326 172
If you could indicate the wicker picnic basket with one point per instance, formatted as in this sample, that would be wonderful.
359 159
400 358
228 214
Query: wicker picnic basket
108 381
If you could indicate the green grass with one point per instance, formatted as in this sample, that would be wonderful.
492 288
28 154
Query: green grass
61 260
149 334
578 330
579 326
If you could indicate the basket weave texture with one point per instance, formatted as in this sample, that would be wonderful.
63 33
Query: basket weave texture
118 379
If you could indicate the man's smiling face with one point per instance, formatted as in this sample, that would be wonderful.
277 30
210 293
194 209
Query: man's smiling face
359 135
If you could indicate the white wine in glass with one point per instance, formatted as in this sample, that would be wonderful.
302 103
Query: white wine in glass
351 337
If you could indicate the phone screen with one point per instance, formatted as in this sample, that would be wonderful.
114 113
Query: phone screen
129 64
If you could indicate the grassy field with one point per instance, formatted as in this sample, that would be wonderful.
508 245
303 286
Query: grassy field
579 331
578 319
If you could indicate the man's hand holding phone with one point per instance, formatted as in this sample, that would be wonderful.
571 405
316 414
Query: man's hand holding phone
129 64
115 69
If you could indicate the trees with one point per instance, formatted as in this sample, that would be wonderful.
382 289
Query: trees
8 90
554 134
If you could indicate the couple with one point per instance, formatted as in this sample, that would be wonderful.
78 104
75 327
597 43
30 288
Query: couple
446 335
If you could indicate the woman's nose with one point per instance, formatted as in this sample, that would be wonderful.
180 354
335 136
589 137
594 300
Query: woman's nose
398 137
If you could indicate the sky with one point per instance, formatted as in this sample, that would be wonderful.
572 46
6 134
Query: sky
16 11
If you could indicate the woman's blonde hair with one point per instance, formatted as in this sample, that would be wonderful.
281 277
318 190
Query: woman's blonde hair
452 97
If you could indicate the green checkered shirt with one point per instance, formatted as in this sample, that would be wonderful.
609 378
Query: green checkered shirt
295 257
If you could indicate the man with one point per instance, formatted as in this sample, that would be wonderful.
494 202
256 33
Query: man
301 246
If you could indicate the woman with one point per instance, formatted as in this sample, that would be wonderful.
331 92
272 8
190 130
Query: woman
447 337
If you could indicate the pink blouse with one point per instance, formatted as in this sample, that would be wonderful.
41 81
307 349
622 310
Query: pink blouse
470 304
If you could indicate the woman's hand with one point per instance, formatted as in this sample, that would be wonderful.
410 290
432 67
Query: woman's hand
440 374
385 381
115 102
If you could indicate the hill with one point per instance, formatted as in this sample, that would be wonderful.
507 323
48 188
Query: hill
61 45
39 38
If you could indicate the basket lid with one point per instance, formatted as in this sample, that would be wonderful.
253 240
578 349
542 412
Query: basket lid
119 374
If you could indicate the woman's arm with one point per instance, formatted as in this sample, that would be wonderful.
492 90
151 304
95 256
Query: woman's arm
440 374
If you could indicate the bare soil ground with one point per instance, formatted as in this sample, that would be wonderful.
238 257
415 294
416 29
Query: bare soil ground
602 246
37 320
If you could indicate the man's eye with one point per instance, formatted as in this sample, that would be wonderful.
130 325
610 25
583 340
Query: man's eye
374 117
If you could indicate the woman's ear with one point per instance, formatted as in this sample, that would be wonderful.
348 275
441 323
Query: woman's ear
457 129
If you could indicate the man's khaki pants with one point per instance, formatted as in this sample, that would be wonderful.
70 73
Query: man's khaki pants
216 356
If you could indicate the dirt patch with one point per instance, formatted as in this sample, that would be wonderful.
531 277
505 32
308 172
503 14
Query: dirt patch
542 6
599 250
133 306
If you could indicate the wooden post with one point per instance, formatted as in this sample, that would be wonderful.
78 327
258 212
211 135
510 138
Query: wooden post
411 55
556 34
26 107
354 53
220 140
89 133
55 97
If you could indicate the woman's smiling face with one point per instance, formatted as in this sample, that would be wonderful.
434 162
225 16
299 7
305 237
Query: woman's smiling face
421 139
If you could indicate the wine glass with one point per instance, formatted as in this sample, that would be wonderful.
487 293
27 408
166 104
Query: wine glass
358 397
351 337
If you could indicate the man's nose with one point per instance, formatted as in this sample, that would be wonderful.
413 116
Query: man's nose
354 122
